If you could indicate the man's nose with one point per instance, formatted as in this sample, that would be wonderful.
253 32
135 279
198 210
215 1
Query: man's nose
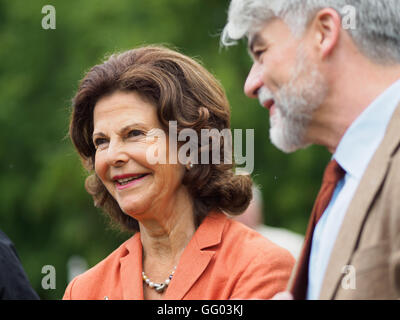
253 81
116 154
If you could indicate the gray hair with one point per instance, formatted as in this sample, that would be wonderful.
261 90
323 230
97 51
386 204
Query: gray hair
377 34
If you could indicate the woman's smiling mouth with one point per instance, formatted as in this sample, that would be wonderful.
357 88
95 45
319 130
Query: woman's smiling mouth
128 180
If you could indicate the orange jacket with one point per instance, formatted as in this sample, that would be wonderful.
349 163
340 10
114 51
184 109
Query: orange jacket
223 260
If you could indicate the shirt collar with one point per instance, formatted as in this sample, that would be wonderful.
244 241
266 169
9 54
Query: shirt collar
363 137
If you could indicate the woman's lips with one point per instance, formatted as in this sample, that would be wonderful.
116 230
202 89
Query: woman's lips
124 185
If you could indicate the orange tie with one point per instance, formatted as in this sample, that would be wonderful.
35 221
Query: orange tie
333 174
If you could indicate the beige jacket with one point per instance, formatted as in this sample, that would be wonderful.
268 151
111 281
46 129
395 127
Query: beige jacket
365 260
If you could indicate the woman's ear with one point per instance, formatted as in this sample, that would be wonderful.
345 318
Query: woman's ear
189 166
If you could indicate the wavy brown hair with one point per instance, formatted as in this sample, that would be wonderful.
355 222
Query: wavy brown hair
183 91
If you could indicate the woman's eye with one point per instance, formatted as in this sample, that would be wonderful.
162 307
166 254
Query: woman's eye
99 141
135 133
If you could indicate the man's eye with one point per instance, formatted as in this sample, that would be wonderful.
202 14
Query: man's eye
258 53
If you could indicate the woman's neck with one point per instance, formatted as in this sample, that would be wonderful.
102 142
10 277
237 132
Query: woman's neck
170 229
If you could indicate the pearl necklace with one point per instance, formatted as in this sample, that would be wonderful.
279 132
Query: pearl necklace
159 287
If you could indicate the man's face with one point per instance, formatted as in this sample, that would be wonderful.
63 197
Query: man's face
286 81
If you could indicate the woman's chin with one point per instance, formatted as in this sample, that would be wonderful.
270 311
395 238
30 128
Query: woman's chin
134 210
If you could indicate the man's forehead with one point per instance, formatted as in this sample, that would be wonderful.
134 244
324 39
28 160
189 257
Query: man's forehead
259 31
267 32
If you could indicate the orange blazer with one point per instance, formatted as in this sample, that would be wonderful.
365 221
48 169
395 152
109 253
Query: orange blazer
223 260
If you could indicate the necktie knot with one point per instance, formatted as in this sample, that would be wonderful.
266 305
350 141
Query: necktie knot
333 172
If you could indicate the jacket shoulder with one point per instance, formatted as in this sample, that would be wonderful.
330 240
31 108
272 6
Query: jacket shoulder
249 244
14 283
258 267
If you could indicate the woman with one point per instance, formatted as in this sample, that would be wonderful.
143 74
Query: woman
184 246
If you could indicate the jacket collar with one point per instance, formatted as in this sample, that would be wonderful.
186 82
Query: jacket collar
131 270
357 212
359 143
195 257
194 260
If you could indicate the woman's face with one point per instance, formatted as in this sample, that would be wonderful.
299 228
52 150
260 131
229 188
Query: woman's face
122 121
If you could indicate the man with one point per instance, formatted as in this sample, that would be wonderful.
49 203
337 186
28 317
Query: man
14 284
335 84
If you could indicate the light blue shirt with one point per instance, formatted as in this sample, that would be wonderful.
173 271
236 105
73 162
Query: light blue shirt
353 154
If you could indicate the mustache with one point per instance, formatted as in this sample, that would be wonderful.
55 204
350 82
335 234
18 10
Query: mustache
264 95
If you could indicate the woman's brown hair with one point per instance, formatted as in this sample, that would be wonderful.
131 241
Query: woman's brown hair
182 91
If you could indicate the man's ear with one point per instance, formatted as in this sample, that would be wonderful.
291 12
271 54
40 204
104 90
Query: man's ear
326 28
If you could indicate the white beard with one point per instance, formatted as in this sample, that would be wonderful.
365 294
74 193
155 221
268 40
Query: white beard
295 103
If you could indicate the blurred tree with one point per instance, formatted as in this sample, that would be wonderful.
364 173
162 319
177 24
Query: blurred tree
43 205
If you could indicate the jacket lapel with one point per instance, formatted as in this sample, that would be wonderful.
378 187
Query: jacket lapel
357 212
195 257
131 270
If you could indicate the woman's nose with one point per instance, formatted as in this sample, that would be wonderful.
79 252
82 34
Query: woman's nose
116 154
253 81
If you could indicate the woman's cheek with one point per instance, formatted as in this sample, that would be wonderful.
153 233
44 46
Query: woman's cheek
100 167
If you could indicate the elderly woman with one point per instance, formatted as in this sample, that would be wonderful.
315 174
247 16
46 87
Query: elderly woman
183 245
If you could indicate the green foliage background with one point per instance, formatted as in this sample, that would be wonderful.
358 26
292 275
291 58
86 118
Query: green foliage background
44 207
